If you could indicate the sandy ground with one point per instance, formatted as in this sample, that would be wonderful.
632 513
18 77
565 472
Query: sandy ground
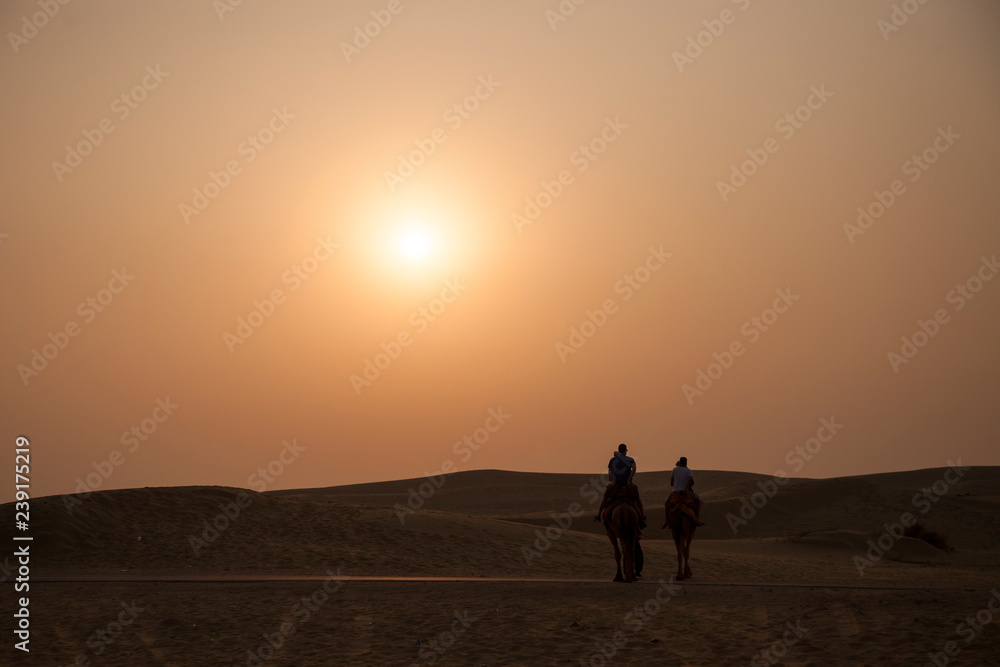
385 623
787 581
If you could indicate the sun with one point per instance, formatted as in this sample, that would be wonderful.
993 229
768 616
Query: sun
415 244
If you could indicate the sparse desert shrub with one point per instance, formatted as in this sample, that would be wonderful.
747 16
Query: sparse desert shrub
931 537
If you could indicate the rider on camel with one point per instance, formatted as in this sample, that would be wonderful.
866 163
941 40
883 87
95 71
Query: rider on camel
683 495
621 470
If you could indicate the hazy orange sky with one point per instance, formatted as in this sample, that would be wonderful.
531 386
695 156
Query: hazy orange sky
651 176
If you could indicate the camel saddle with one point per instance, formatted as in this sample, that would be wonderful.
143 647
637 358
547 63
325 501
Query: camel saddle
622 494
675 504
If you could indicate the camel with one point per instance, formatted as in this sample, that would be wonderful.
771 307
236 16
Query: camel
623 527
682 528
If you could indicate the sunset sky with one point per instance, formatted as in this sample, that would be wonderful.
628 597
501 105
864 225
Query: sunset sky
494 235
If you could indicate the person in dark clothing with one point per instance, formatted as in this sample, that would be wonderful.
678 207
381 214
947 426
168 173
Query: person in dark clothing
621 470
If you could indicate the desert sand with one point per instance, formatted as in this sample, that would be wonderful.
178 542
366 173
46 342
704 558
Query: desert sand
515 572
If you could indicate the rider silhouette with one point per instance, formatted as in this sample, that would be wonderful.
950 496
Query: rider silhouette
621 470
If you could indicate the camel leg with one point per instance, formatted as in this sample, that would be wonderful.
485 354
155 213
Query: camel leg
680 552
640 558
628 555
618 555
688 535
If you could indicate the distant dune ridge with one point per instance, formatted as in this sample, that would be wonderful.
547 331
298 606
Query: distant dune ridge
811 574
498 523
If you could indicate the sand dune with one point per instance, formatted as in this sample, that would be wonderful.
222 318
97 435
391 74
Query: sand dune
488 524
477 523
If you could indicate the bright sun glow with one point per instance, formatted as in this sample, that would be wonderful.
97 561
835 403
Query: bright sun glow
416 244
